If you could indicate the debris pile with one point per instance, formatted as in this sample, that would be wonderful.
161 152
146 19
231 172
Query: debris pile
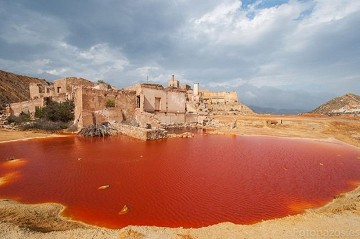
104 129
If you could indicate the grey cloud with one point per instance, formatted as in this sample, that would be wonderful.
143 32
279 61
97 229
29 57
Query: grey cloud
292 63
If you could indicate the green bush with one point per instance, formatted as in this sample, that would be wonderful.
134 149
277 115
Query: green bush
55 111
23 117
39 112
45 124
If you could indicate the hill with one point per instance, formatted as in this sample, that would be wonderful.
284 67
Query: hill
15 88
346 104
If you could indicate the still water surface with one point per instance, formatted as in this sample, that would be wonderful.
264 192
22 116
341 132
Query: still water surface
177 182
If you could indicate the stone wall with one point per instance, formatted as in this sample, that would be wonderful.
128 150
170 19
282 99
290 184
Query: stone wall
65 87
176 101
27 107
170 118
142 133
38 90
150 97
219 97
91 106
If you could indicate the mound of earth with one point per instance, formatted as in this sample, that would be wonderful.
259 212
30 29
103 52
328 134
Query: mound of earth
15 88
346 104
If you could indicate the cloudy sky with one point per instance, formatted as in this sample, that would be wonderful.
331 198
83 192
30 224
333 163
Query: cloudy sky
293 54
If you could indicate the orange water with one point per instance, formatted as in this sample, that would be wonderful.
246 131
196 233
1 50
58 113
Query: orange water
177 182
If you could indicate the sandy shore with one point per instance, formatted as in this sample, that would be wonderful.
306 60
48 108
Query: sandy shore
16 135
338 219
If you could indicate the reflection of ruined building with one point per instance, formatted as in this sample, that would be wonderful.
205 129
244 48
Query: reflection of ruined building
146 105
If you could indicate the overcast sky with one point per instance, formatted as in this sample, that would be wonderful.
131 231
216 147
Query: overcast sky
293 54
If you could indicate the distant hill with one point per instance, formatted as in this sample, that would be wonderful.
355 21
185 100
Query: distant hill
267 110
346 104
15 88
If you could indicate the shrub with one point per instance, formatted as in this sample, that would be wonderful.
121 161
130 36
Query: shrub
39 112
110 103
55 111
45 125
23 117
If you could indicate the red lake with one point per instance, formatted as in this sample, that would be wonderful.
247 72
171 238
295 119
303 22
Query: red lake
177 182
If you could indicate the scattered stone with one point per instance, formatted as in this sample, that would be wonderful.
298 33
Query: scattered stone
185 236
124 210
104 129
272 122
131 234
233 125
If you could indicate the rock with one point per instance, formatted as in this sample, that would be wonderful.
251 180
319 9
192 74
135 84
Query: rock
104 129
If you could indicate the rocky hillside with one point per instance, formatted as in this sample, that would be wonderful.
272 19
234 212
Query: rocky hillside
346 104
15 88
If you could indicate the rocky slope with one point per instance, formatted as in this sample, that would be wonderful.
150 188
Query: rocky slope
15 88
346 104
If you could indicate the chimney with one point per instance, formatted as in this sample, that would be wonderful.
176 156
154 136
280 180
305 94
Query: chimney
196 88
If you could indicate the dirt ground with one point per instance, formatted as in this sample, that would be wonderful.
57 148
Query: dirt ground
345 129
7 135
338 219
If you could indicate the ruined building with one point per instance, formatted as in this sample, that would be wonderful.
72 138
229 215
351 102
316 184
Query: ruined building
94 103
145 105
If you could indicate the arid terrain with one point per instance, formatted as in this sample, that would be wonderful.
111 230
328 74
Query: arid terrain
311 126
338 219
15 88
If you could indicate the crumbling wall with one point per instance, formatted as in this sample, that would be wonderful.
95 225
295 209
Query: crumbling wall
91 106
170 118
219 97
27 107
38 90
150 97
64 88
176 102
141 133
